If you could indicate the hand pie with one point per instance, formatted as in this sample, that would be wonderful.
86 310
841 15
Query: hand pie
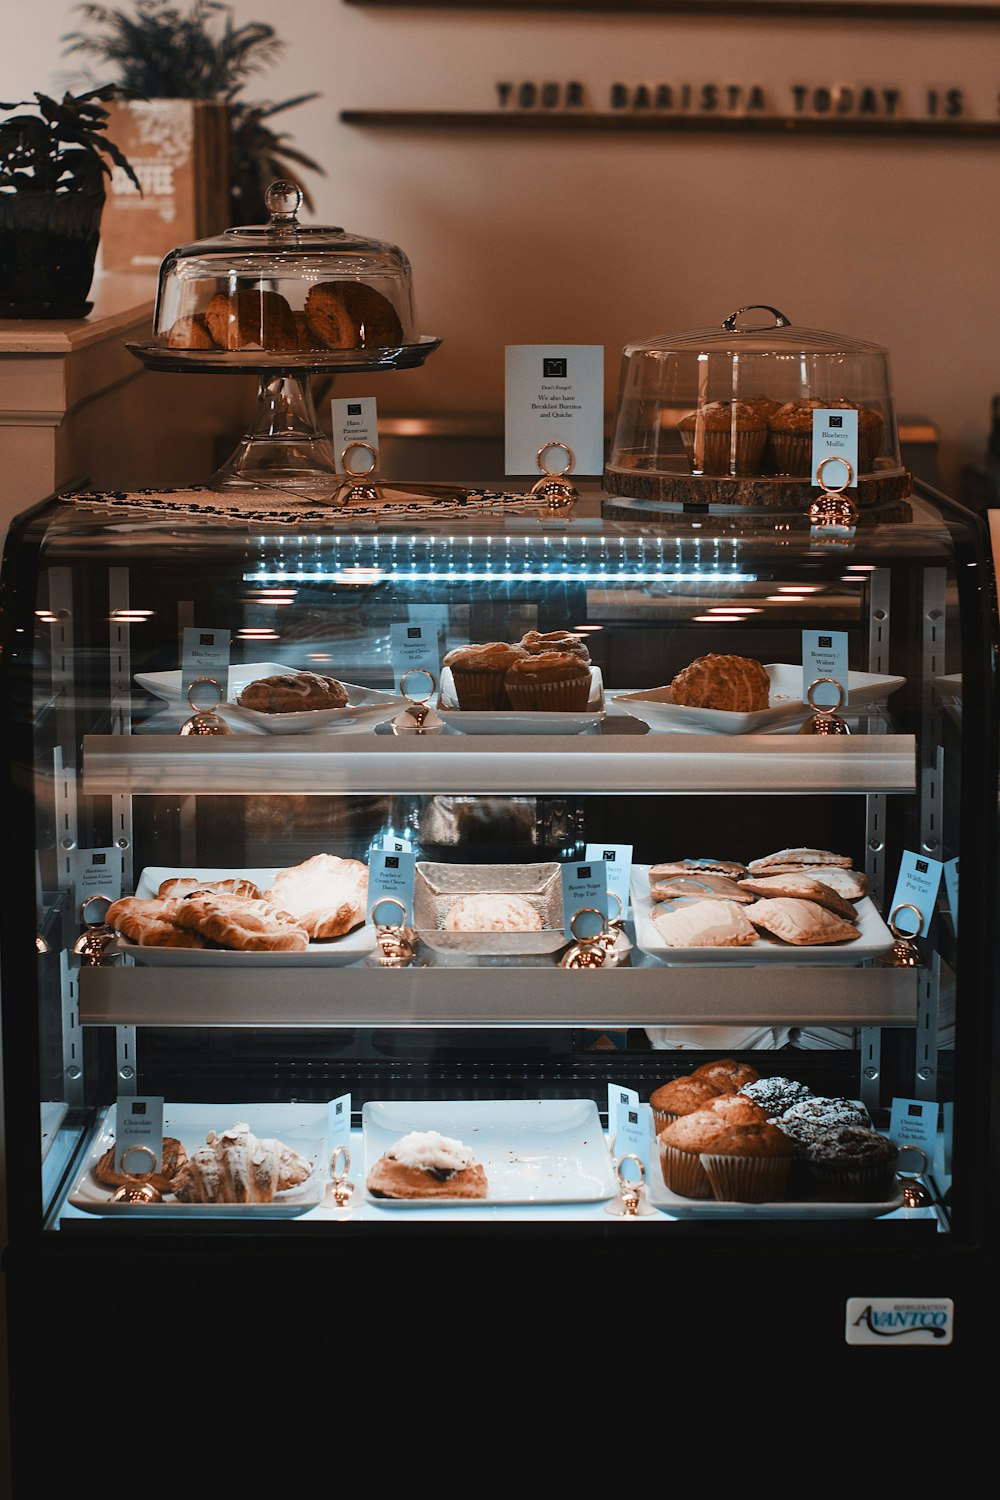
703 924
803 886
731 867
794 859
802 922
701 887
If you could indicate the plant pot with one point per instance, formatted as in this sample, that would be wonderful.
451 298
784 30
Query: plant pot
48 245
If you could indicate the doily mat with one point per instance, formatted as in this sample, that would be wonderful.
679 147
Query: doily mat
285 508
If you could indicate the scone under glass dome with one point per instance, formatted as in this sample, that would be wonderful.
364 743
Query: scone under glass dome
725 415
286 293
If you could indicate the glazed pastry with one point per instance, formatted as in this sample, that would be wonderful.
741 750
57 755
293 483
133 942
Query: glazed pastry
325 894
801 922
186 885
736 684
173 1158
150 922
704 924
426 1164
804 886
251 319
492 912
242 924
292 693
795 859
351 315
701 888
730 867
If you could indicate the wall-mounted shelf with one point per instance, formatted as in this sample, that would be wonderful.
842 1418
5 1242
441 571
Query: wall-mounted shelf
631 122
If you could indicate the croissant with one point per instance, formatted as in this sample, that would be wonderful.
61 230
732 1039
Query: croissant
238 1167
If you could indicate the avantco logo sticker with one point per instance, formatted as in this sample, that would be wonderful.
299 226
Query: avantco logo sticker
897 1322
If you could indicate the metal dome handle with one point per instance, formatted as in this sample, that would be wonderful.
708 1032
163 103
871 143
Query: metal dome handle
730 323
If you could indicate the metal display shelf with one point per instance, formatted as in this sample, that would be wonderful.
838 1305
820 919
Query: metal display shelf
650 995
483 764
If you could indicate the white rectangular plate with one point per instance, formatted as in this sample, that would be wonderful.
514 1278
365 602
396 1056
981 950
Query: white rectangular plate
785 708
333 952
532 1150
301 1126
167 685
470 721
875 938
661 1197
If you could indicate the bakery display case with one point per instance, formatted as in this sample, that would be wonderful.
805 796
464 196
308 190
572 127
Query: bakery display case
617 692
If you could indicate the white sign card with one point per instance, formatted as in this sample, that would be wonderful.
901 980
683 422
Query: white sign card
354 419
394 843
96 872
618 861
835 449
416 648
205 653
585 885
138 1134
628 1123
916 886
390 886
338 1124
824 654
914 1122
554 400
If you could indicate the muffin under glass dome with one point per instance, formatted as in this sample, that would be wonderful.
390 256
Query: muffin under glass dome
724 415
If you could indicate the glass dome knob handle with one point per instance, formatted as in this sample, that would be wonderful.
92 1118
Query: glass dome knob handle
283 200
732 323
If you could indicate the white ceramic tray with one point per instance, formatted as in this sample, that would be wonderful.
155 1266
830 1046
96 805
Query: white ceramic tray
367 707
301 1126
532 1150
785 709
436 886
677 1207
330 953
502 721
875 939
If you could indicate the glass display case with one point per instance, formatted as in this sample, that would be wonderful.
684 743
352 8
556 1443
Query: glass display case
131 761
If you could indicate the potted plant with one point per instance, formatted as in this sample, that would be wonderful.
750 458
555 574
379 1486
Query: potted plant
162 52
53 167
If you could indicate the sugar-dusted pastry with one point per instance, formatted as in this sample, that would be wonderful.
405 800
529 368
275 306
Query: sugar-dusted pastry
426 1164
701 887
796 859
325 894
796 883
704 924
251 318
490 911
737 684
802 922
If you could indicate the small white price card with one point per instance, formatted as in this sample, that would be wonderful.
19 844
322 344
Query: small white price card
354 419
835 449
554 401
416 648
618 863
824 654
390 886
205 654
628 1123
138 1134
585 889
96 872
394 843
916 887
914 1122
338 1126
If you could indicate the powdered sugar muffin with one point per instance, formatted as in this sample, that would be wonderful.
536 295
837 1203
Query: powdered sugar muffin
776 1095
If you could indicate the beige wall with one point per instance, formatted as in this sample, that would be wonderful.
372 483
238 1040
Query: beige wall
608 238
